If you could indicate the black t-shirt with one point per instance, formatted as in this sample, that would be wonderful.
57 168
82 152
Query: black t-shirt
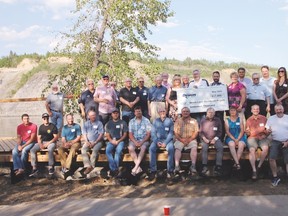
87 99
130 96
143 94
47 132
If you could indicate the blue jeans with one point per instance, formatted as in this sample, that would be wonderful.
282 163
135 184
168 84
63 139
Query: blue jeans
20 158
170 162
127 116
114 162
57 119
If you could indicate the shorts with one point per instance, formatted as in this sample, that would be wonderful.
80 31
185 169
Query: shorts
179 145
276 149
255 143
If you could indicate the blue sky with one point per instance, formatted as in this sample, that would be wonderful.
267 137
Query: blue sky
253 31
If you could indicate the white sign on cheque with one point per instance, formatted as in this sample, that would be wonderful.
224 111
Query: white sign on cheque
200 99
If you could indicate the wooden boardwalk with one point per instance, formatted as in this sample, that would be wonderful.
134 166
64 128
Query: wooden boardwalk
6 146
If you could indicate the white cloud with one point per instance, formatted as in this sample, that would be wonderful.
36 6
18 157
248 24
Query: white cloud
169 24
258 46
8 1
10 34
182 49
211 28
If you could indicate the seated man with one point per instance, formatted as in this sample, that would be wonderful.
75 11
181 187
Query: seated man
257 137
139 135
210 134
93 133
186 131
116 132
277 125
162 137
71 135
47 138
26 138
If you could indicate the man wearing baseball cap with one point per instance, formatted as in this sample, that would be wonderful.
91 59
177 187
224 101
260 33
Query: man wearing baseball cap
47 138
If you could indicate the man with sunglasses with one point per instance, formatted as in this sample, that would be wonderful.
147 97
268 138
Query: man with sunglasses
257 94
106 96
143 95
47 138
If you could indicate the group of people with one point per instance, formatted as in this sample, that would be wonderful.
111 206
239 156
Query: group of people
150 119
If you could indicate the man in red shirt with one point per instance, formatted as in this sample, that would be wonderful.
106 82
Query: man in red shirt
257 138
26 138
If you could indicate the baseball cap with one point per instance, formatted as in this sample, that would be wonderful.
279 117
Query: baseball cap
115 110
45 115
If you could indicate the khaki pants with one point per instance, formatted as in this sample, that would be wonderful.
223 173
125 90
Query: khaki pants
67 161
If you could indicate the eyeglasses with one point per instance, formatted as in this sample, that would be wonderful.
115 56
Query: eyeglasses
281 71
141 81
256 78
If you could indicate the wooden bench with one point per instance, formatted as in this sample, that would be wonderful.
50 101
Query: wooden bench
162 155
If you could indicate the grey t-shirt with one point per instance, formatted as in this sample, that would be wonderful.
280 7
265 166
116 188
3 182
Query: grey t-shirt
55 101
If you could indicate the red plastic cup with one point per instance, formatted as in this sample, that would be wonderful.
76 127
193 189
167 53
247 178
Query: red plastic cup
166 210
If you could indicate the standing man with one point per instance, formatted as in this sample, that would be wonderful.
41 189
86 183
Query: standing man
210 134
257 94
257 138
86 100
268 81
139 135
54 106
47 139
93 133
165 78
71 135
277 125
186 131
106 97
156 98
197 81
219 114
244 80
129 98
116 133
162 137
26 138
143 95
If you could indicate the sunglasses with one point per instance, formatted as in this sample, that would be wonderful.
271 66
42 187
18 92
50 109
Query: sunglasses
281 71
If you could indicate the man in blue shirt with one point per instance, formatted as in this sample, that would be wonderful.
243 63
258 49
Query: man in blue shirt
156 98
139 135
162 137
71 134
93 133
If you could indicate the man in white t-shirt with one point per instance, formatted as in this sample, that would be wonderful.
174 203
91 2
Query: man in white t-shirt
277 125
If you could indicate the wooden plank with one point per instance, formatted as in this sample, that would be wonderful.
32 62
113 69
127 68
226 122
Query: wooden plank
9 143
5 146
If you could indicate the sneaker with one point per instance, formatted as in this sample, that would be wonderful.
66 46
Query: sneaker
51 171
152 176
170 175
275 181
204 170
254 175
177 169
65 173
193 169
218 170
114 173
34 173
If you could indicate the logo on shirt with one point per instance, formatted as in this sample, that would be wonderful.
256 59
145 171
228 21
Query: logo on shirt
48 131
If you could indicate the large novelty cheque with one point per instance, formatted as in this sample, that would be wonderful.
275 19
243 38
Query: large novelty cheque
200 99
